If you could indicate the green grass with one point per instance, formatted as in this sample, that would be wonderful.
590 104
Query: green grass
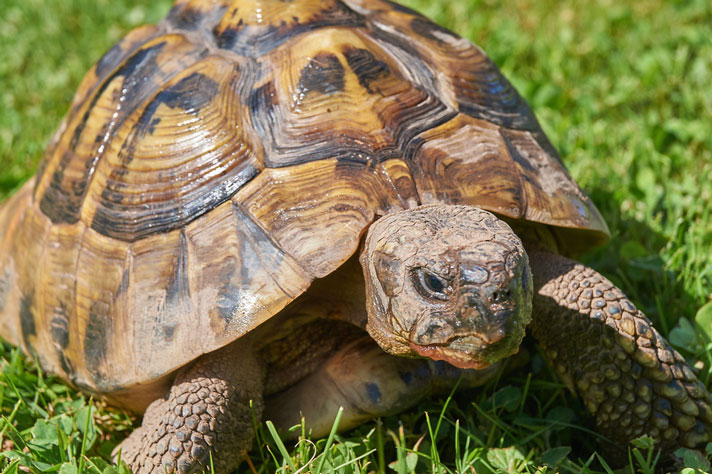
621 88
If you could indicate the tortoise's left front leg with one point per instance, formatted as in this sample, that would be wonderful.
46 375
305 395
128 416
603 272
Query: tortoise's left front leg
204 421
608 353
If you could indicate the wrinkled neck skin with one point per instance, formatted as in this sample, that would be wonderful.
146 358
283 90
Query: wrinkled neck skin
446 282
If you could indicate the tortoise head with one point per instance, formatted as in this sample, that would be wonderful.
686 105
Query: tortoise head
447 282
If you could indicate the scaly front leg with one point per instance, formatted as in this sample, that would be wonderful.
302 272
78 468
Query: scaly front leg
204 420
608 353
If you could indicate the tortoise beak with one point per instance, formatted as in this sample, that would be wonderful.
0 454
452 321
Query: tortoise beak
472 337
463 353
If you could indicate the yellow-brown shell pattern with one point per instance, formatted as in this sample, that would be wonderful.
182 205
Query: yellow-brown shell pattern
212 166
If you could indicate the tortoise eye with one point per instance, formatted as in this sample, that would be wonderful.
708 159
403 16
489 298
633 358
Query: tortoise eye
431 285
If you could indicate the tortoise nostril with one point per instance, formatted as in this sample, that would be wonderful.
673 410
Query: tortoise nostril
501 296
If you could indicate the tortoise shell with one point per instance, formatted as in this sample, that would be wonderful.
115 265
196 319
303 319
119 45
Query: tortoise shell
211 167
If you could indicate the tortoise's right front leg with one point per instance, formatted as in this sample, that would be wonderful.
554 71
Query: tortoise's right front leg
608 352
207 412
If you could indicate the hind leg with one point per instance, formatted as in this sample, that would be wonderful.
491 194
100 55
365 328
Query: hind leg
205 417
368 383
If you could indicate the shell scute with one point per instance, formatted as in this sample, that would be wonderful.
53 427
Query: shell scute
195 15
378 109
90 132
324 74
465 161
254 28
188 150
337 198
59 305
95 350
472 82
22 248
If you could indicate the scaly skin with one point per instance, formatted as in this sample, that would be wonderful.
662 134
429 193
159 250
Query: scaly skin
207 410
607 351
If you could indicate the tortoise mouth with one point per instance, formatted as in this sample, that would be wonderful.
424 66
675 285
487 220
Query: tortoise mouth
455 358
466 352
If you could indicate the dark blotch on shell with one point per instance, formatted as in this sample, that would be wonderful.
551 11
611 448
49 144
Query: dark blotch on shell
109 61
190 94
255 41
228 300
65 363
517 156
177 295
96 339
430 30
400 8
27 319
189 18
59 328
178 288
5 285
262 99
365 65
323 74
185 18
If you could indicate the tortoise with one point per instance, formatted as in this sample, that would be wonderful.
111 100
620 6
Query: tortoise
276 208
